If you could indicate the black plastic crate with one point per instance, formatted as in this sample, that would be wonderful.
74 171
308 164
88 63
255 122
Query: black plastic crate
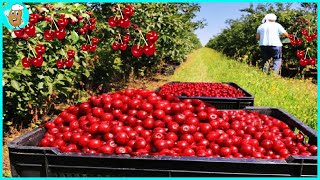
29 160
220 102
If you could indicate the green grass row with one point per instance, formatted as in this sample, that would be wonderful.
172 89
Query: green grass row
298 97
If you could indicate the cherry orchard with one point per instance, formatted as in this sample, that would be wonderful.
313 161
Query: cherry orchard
47 28
125 28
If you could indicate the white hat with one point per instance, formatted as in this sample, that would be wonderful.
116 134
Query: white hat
271 17
16 7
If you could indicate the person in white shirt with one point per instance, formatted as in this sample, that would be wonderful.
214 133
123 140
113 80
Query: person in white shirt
268 35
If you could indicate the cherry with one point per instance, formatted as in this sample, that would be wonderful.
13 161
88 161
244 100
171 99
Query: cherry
124 22
92 48
304 32
303 62
312 61
82 31
71 53
60 33
49 19
48 35
123 47
19 33
69 62
60 63
26 62
95 40
80 17
92 27
152 36
33 19
136 51
309 38
40 49
112 21
37 61
125 39
84 47
128 11
30 30
300 54
149 49
115 46
93 20
62 22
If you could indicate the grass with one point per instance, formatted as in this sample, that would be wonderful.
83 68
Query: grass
298 97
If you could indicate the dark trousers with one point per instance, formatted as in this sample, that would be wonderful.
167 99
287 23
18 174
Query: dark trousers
274 52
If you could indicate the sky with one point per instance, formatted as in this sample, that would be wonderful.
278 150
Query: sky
216 15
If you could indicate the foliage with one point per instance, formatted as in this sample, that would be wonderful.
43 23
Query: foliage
238 40
32 93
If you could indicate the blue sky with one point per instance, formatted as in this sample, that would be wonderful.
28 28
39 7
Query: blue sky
216 15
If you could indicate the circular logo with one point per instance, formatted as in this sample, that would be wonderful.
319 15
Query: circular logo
16 16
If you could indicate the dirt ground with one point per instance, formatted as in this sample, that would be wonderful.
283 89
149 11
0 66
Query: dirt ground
14 133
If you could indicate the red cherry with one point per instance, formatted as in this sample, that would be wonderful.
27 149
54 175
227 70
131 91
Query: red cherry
149 49
112 21
312 61
124 22
92 27
115 46
30 30
136 51
19 33
60 63
26 62
92 48
128 11
62 22
291 36
125 39
93 20
304 32
152 36
71 53
95 40
60 33
49 19
69 62
48 35
298 41
40 49
309 38
123 47
84 47
303 62
82 31
33 19
300 54
37 61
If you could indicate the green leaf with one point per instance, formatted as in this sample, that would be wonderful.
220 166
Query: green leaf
74 37
51 70
40 85
50 87
86 73
15 85
60 76
40 76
